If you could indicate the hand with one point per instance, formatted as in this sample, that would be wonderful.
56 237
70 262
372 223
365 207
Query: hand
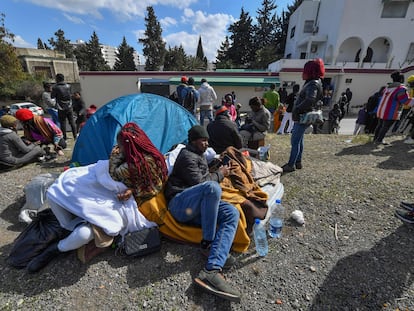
124 196
225 170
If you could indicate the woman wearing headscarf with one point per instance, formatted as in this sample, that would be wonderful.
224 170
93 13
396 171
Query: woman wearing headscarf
307 99
13 151
41 130
100 201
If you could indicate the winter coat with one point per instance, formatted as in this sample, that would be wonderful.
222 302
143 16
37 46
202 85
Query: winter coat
307 99
223 133
190 169
207 96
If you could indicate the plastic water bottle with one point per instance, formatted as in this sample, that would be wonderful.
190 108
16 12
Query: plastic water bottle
276 219
260 238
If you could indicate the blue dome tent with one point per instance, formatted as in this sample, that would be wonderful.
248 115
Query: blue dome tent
165 122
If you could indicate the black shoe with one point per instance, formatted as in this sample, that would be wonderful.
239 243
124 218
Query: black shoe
408 206
298 165
405 216
287 168
40 261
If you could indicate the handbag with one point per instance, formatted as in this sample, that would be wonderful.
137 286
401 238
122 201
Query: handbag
140 243
311 117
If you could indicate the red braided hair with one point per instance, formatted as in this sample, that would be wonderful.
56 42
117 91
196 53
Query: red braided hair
136 145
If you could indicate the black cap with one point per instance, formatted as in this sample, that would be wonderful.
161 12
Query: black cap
196 132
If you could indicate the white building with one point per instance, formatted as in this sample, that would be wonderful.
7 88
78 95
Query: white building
361 42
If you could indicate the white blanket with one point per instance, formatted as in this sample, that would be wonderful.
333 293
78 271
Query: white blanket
90 193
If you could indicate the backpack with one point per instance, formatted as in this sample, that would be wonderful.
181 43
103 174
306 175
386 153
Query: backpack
190 100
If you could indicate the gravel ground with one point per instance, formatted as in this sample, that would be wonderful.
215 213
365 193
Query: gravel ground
352 254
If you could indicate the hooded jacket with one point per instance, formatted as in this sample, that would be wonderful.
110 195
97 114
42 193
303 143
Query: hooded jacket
11 146
207 96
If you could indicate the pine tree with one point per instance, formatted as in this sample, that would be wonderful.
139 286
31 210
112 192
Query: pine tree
222 57
94 53
200 53
40 45
175 59
82 58
125 57
61 44
154 47
242 49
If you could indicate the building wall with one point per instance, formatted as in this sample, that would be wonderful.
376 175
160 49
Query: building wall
342 27
99 89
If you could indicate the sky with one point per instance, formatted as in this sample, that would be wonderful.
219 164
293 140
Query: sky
182 21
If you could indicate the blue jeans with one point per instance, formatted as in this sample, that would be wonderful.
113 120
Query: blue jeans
296 141
200 205
54 115
204 114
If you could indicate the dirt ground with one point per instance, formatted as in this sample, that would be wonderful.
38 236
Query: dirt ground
352 253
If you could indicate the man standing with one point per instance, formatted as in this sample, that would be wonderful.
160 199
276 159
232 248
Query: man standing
194 198
190 97
271 99
63 94
180 88
207 98
49 103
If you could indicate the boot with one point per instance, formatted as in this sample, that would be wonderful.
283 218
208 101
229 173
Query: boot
40 261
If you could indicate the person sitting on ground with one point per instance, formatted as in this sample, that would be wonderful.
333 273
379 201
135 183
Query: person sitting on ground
223 132
13 151
84 202
257 123
40 130
194 197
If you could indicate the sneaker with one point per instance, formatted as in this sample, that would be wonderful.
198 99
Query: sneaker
215 283
407 206
407 217
409 141
42 159
298 165
230 261
287 168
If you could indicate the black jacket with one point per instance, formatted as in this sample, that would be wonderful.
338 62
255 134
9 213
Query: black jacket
63 93
307 99
223 133
190 169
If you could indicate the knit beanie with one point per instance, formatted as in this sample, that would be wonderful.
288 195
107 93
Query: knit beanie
7 121
196 132
24 114
222 110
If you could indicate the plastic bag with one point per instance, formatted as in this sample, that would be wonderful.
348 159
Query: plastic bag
35 238
35 192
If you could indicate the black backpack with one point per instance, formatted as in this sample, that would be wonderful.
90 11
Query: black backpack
190 100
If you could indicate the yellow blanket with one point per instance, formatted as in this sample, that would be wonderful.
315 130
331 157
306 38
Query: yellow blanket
236 189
